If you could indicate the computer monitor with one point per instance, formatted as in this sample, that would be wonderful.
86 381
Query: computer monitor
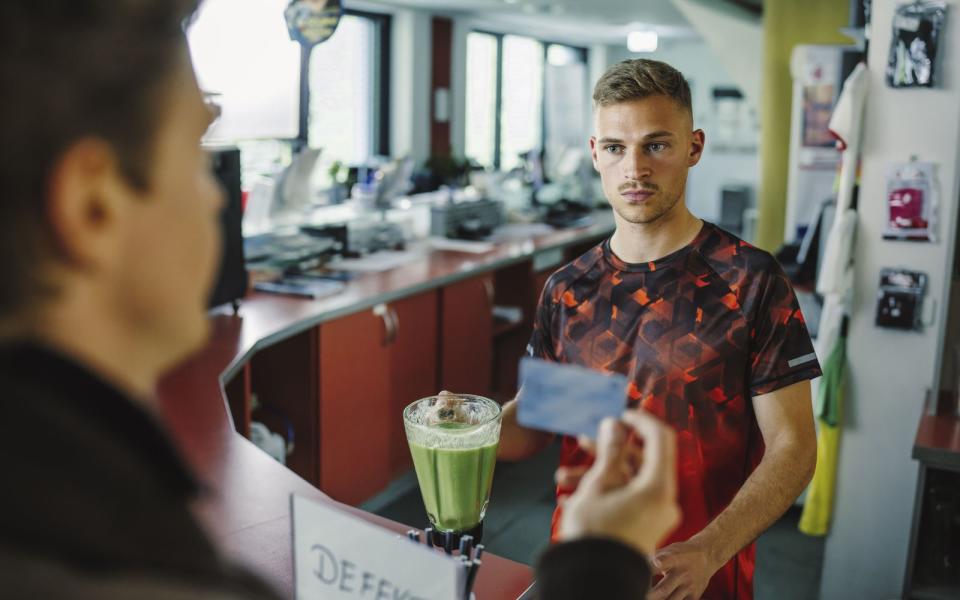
231 282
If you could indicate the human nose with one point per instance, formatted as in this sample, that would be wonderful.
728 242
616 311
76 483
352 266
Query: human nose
636 165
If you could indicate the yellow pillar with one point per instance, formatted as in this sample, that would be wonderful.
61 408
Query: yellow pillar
786 23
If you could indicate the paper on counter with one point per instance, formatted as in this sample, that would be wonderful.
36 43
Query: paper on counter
473 247
383 260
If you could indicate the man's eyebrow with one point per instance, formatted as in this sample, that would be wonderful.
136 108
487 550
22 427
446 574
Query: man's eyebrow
649 136
659 134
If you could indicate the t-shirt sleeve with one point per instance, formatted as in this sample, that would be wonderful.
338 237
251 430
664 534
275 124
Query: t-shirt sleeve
781 352
541 341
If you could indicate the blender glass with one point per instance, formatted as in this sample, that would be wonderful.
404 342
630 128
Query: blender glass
453 440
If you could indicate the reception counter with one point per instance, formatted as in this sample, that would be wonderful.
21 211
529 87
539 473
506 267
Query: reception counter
335 373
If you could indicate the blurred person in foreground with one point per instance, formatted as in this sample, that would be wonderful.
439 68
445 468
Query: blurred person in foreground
108 227
109 233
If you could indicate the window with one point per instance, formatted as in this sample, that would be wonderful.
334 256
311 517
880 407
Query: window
521 106
243 54
481 132
506 104
345 92
566 109
246 58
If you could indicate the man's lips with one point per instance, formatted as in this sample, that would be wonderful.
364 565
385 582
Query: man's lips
636 196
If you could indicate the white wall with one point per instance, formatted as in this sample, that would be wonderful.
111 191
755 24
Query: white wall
866 550
700 66
458 87
410 84
735 37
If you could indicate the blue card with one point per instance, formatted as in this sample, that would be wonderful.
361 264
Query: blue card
568 399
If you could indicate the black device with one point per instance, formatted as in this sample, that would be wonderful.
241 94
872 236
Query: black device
900 299
564 214
473 220
231 282
734 200
801 260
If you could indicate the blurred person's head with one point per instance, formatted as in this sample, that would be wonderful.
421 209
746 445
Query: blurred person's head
644 142
108 221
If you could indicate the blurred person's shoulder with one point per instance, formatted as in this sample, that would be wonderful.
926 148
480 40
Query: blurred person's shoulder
27 575
93 486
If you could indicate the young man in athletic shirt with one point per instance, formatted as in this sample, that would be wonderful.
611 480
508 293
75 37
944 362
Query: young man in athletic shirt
705 326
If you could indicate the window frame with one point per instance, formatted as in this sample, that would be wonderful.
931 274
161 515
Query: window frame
380 109
583 54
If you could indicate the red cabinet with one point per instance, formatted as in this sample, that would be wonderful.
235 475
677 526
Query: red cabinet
354 405
372 364
283 380
466 325
413 367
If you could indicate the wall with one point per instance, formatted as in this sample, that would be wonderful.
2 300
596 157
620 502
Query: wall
734 35
410 85
866 550
717 168
786 23
458 87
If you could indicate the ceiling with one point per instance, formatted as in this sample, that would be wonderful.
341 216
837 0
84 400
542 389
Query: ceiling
584 21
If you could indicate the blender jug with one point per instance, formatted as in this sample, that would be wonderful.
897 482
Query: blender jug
453 440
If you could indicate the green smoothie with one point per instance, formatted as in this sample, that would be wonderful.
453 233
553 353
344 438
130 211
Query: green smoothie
455 483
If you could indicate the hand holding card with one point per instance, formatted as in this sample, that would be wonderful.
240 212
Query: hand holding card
568 399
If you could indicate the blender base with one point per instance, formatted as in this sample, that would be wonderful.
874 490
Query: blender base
438 538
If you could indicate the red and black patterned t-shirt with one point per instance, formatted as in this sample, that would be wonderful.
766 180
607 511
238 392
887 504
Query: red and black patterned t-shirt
698 333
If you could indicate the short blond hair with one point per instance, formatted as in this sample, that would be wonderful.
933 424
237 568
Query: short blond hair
639 78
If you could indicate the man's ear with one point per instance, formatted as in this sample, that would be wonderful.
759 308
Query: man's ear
697 142
593 152
84 197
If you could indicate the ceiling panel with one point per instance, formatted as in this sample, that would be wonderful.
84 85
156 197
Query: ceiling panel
604 21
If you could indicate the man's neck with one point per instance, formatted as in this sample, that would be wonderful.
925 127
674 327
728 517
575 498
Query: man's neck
101 346
646 242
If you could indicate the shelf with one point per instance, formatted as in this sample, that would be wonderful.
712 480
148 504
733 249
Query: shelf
502 327
506 319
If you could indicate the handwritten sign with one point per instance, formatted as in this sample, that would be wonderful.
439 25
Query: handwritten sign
338 556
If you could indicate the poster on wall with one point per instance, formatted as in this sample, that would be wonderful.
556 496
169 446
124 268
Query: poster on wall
911 202
817 108
311 22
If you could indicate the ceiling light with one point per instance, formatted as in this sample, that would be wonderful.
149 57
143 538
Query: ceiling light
642 41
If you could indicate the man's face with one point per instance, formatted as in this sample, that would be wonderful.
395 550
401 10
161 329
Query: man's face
170 236
642 150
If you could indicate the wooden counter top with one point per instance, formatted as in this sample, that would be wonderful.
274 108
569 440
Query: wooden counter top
246 508
265 319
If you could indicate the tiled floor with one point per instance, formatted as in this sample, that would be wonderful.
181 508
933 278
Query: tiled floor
517 526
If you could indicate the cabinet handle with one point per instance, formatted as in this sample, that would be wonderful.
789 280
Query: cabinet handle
488 286
395 321
391 323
